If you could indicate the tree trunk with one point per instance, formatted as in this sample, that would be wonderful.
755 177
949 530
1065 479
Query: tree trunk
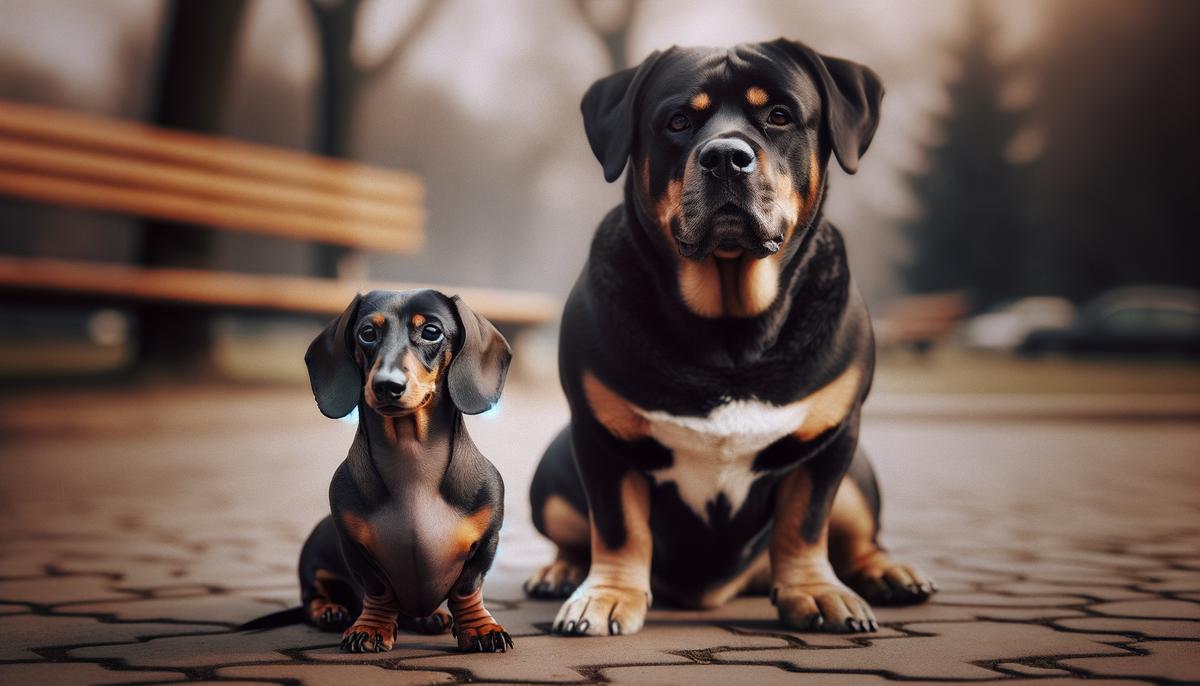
196 57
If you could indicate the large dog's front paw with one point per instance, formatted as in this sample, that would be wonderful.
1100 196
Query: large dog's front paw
368 638
822 606
556 580
596 610
883 581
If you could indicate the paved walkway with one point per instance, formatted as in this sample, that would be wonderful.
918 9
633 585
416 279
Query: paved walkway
140 528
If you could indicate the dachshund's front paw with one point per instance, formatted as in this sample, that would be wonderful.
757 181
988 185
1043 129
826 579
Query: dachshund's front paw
822 606
595 610
327 616
556 580
485 638
883 581
437 623
368 638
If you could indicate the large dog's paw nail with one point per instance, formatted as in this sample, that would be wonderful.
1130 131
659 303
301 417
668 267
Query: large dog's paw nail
556 580
596 610
893 583
328 616
489 638
823 607
368 638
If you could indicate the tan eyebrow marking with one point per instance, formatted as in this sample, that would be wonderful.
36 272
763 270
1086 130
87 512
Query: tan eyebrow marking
378 319
756 96
700 101
418 320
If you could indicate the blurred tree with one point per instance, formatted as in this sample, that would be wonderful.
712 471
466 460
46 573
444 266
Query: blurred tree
1118 111
970 233
196 56
611 21
341 80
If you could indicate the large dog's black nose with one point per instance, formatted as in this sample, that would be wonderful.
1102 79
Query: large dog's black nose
389 388
727 158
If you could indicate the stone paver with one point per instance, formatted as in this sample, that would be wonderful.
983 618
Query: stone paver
129 555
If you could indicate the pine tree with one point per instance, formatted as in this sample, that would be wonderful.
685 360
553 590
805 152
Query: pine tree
970 234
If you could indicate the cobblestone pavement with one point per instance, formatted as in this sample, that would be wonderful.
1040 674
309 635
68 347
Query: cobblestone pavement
141 527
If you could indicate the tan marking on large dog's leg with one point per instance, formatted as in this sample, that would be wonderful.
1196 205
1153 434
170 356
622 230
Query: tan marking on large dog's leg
829 406
323 612
861 563
614 412
616 594
375 629
570 531
806 592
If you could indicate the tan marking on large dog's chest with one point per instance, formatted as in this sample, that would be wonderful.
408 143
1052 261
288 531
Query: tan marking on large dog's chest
714 454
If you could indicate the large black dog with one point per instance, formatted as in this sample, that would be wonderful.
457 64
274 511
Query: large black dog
715 353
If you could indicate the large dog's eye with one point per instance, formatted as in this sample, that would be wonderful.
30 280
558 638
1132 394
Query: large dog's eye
368 334
431 333
678 122
780 117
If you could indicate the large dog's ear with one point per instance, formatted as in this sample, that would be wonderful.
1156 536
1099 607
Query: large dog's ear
852 95
336 379
609 115
477 371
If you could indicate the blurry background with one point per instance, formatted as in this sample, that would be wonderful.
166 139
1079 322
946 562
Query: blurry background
1026 218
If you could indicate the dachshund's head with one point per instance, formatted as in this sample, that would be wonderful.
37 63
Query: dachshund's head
396 352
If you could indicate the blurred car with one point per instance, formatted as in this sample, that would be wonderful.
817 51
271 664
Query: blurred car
1135 320
1006 326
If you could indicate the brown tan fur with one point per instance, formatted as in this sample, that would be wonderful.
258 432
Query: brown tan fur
830 404
700 101
473 624
617 415
756 96
468 532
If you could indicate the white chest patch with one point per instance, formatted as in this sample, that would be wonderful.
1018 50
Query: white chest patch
714 454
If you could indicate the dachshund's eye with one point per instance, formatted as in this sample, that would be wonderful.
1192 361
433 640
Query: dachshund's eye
368 334
431 333
678 122
779 117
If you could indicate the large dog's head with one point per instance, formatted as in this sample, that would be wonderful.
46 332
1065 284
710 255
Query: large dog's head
728 152
396 351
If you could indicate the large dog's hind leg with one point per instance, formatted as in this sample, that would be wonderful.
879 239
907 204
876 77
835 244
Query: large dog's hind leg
854 547
560 514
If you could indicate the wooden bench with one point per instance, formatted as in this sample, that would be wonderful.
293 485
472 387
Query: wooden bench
89 162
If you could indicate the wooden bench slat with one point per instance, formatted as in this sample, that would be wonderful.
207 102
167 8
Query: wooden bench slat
304 295
150 176
218 154
296 225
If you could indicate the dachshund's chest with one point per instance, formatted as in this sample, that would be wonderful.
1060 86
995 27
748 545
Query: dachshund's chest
714 454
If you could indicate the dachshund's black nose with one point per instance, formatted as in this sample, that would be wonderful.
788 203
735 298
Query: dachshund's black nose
389 389
727 158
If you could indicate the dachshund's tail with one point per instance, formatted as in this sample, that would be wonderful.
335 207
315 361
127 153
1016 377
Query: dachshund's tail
292 615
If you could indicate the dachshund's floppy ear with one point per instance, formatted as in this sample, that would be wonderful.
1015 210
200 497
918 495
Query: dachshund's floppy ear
852 95
336 379
609 117
478 369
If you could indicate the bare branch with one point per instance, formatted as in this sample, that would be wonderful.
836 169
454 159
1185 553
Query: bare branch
423 16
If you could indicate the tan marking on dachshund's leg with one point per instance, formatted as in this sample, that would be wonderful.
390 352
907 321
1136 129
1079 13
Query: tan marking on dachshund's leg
829 405
617 414
375 628
861 563
614 597
474 627
472 527
569 530
323 612
806 592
